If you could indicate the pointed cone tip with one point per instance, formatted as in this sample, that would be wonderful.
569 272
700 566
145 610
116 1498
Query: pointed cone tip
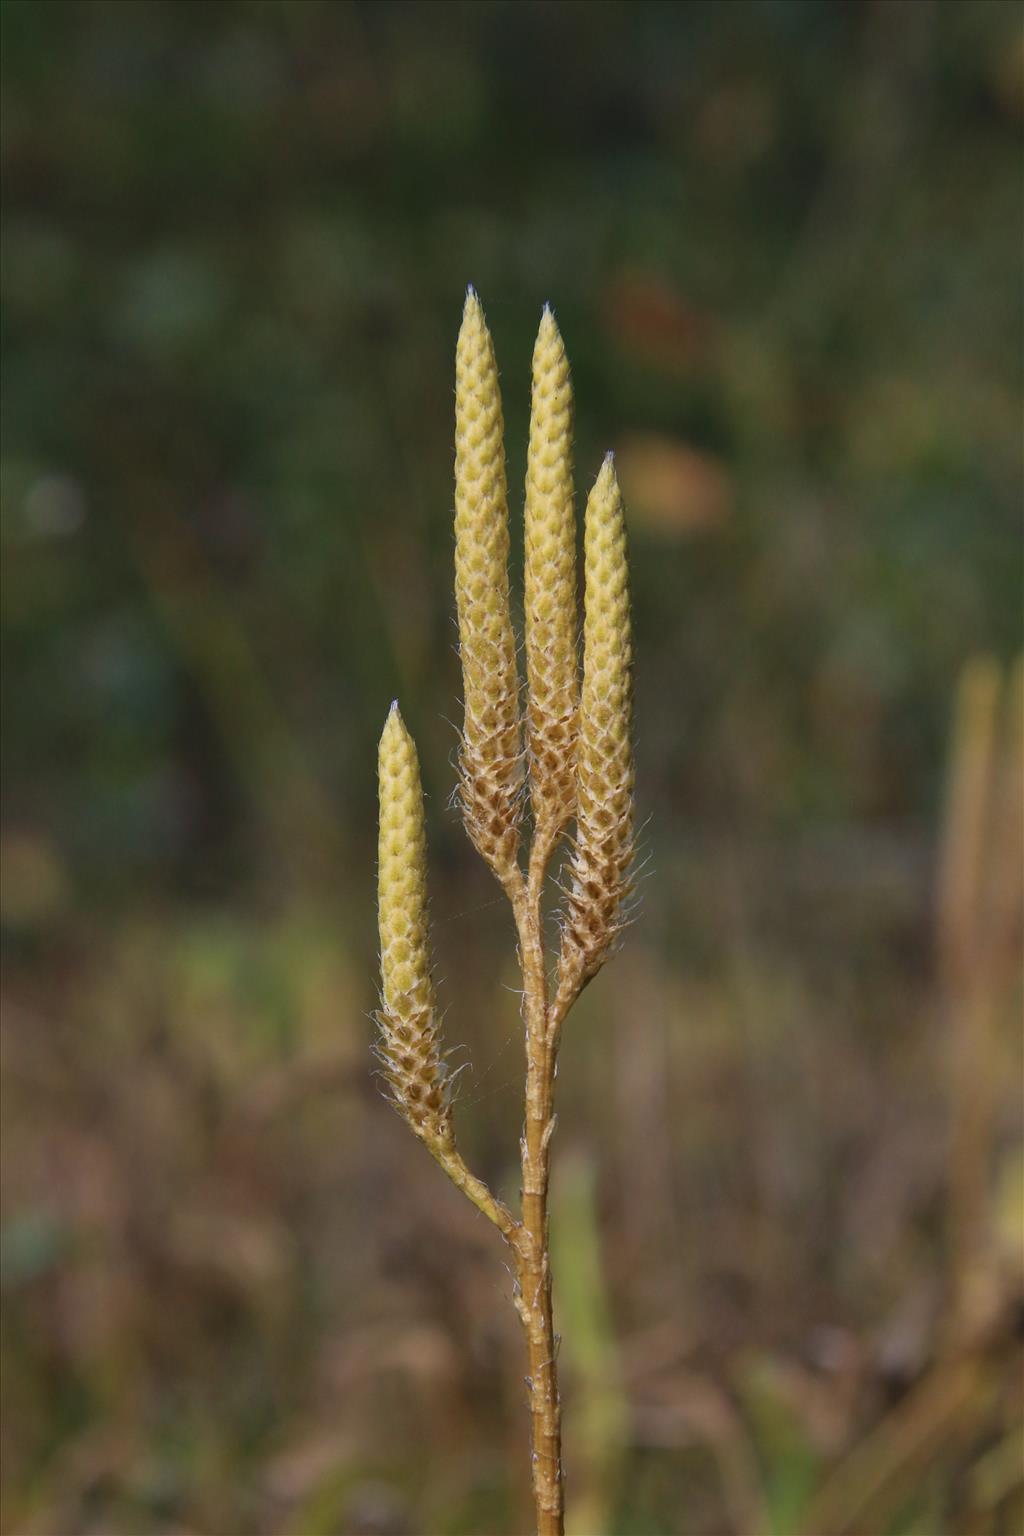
607 470
473 317
606 486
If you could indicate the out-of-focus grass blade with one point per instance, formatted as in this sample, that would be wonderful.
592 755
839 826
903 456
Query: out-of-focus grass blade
597 1429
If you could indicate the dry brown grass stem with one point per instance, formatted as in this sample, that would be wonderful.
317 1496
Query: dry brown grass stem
980 905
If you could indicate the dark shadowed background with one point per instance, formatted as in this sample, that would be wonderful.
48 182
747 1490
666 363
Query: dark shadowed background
782 240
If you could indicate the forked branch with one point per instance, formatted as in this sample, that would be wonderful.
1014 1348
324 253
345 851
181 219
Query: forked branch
575 748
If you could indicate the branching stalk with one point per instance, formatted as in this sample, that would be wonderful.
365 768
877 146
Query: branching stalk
578 761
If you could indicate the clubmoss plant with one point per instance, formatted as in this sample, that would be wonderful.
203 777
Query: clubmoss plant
573 750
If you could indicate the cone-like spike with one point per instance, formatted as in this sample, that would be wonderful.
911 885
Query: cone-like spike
599 877
491 750
409 1045
550 570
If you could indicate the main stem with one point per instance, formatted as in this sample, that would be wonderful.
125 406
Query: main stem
534 1268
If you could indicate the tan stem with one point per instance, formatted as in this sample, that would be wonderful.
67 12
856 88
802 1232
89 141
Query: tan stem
528 1238
473 1188
534 1269
570 986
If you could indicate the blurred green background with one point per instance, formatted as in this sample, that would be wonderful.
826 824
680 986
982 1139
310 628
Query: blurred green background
782 240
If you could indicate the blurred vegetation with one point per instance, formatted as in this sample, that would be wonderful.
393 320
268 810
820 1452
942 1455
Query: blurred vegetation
782 239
